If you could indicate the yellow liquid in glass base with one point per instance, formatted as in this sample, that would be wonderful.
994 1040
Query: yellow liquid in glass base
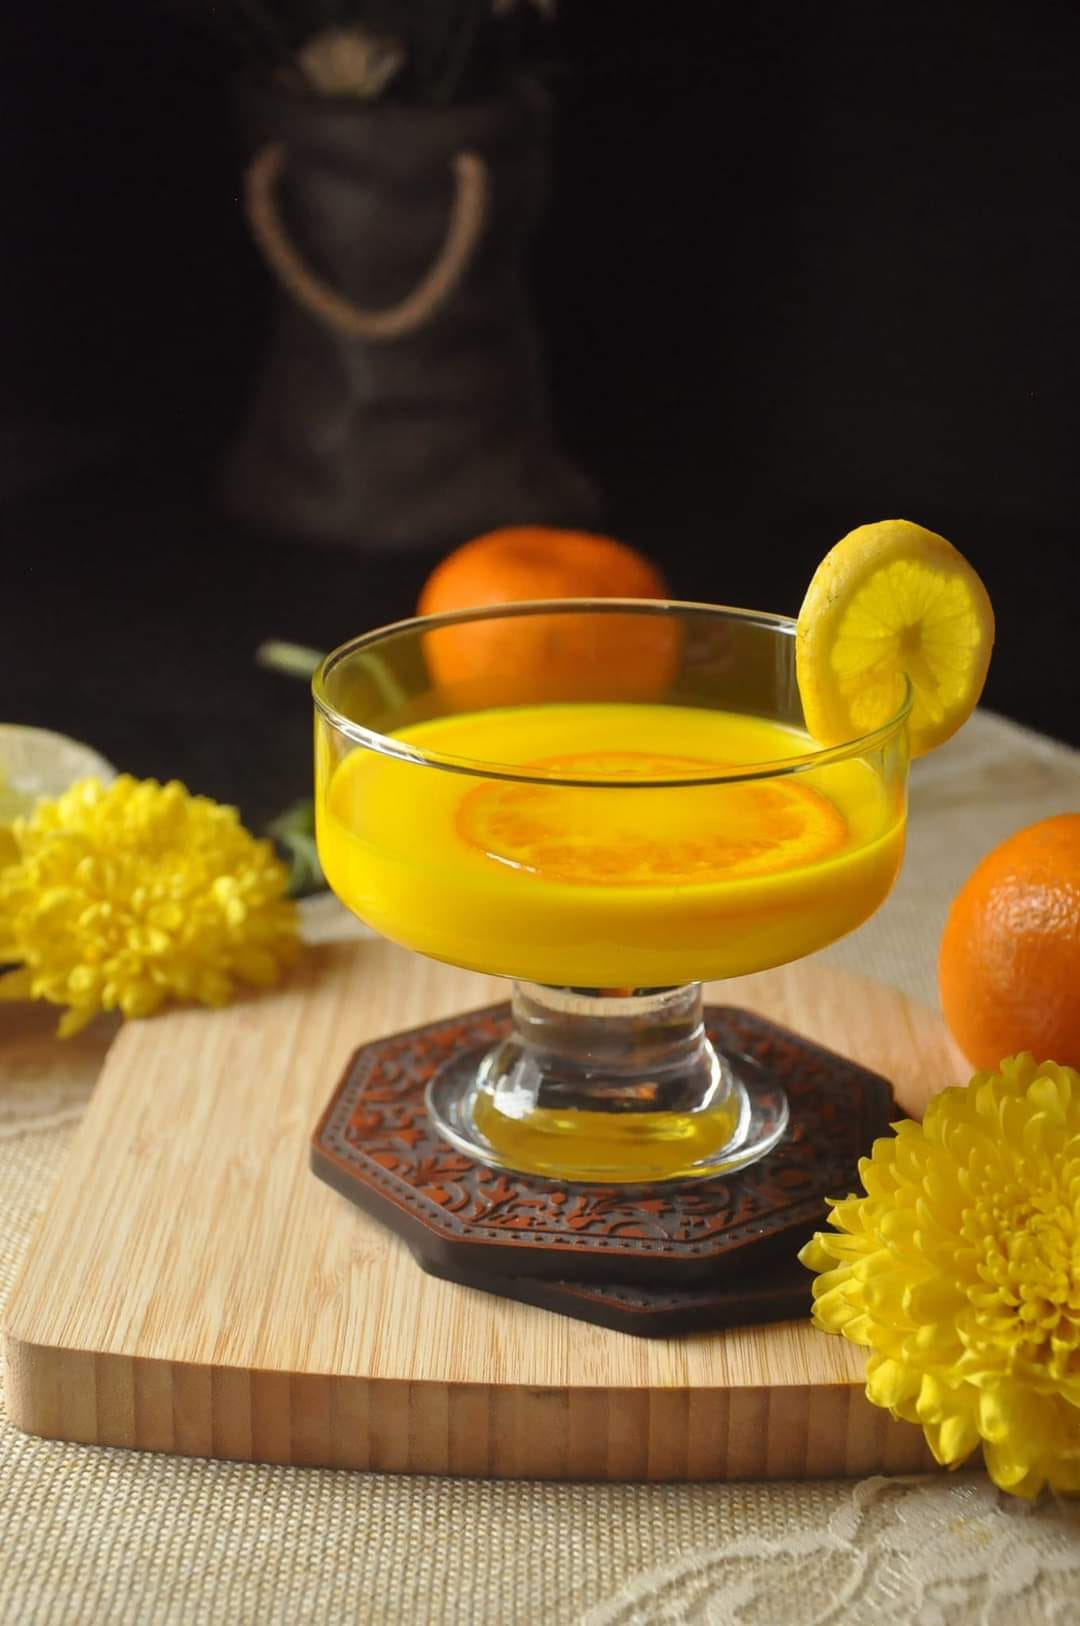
598 1147
611 888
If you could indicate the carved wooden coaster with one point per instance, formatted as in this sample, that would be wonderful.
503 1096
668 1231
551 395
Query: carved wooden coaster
673 1258
775 1290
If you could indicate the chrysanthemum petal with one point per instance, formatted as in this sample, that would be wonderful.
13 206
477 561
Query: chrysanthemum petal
952 1440
834 1312
889 1382
994 1418
1011 1468
813 1254
74 1020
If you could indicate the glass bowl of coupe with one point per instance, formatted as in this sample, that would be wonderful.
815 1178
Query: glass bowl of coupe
608 802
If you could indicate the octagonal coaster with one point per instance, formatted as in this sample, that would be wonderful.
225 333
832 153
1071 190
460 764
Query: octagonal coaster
766 1290
534 1239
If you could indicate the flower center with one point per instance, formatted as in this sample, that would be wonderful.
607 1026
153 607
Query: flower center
1028 1269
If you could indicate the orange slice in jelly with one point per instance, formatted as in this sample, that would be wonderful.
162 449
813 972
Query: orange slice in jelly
680 836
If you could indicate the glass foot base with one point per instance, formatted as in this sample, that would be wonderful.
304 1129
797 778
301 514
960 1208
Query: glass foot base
585 1145
608 1087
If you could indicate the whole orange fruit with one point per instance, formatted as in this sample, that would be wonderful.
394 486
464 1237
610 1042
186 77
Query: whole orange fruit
536 561
547 657
1009 967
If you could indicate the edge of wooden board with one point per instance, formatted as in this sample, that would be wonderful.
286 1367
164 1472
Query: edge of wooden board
489 1430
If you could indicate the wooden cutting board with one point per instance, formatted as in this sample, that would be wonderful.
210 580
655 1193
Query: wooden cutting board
194 1289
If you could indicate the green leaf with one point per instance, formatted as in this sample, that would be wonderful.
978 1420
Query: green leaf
294 833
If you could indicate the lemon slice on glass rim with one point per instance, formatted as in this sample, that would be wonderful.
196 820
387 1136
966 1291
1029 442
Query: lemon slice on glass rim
892 600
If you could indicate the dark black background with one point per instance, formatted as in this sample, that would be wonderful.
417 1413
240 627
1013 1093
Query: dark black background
803 267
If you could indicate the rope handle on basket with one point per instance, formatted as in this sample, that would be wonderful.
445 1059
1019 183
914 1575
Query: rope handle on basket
467 216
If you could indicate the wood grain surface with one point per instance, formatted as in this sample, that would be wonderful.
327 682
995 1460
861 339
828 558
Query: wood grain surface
193 1289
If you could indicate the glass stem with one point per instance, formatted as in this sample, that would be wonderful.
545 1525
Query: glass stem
594 1086
608 1050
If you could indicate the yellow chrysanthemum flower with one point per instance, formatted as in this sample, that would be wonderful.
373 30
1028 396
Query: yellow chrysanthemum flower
960 1270
127 895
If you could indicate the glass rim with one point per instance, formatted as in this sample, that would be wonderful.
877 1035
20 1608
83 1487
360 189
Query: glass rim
388 745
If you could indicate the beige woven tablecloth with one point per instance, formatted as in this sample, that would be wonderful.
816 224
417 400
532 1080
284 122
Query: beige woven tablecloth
90 1535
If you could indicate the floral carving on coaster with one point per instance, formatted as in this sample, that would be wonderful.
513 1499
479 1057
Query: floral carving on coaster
460 1218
